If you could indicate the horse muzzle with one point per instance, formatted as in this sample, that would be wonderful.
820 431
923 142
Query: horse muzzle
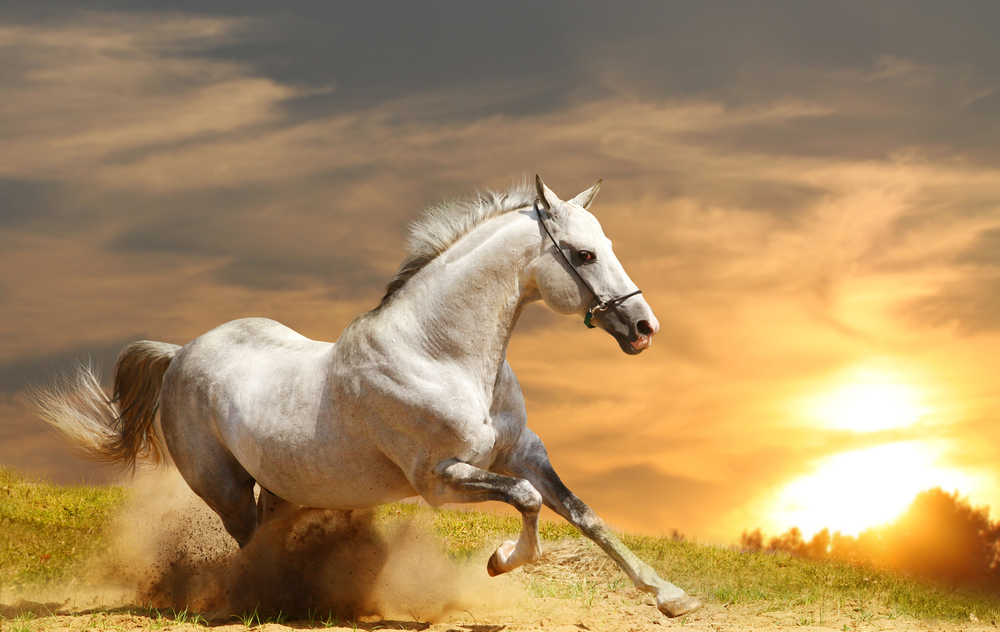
645 329
634 335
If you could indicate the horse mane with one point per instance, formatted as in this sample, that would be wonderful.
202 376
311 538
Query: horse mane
443 224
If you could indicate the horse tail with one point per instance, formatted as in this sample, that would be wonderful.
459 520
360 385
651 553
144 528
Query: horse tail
118 430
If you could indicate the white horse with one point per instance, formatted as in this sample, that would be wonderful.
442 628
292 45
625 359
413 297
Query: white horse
416 398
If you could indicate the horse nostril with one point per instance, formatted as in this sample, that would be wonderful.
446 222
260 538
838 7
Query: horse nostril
644 328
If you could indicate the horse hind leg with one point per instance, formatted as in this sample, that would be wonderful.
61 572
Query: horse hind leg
229 490
269 506
213 473
236 506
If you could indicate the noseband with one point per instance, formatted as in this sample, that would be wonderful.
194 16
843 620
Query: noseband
602 306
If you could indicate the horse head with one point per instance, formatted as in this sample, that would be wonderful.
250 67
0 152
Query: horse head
579 273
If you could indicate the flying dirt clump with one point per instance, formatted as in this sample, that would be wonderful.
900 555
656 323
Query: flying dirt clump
173 550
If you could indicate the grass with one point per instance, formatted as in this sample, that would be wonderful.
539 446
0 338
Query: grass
780 582
49 531
20 623
249 619
465 532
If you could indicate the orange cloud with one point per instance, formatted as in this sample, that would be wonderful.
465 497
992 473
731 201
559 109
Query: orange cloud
160 192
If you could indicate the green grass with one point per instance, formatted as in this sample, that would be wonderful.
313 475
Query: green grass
20 623
465 532
781 582
49 530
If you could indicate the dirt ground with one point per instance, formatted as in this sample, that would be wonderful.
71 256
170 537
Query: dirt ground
610 613
593 596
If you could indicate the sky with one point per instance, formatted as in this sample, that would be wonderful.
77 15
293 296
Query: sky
807 193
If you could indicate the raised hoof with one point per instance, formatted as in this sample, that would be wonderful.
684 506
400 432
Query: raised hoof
493 566
685 604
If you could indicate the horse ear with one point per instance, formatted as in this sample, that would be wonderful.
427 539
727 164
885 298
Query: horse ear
548 200
584 199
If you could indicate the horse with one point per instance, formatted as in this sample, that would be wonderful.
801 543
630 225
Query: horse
416 398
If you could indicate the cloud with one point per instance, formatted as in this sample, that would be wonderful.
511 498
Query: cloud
956 227
21 374
667 502
970 306
103 87
254 239
24 202
788 204
984 251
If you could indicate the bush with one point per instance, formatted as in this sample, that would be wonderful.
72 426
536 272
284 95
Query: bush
940 536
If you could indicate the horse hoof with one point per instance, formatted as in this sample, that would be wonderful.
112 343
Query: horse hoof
493 566
502 555
685 604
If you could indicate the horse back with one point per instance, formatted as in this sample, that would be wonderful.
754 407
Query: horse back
250 380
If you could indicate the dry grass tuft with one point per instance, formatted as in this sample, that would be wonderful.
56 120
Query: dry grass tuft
570 559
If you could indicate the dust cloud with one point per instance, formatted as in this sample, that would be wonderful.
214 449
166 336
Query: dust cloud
171 550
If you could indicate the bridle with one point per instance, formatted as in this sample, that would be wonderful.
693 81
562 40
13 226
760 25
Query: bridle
602 306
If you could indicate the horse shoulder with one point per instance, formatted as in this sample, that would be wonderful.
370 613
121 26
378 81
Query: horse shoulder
411 400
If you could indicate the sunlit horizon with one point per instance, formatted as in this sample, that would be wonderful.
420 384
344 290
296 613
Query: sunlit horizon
859 489
884 414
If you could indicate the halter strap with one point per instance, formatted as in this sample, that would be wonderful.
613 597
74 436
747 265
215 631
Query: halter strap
602 306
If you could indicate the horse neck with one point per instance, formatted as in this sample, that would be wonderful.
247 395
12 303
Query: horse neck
467 301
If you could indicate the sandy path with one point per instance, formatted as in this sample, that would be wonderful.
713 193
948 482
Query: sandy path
610 613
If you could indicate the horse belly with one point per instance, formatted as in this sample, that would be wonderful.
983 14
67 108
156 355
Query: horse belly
341 475
309 451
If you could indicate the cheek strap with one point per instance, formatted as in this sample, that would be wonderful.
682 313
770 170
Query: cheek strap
602 306
605 306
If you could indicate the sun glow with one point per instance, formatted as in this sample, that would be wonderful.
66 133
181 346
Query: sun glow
868 401
852 491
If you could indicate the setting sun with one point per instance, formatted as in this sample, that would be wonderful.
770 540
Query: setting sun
852 491
868 401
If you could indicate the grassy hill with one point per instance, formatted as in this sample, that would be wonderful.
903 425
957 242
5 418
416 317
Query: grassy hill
49 532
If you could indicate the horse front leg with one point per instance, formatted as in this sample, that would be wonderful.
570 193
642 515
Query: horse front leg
458 482
530 460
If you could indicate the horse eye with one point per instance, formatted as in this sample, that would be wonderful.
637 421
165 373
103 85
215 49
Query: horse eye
586 255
